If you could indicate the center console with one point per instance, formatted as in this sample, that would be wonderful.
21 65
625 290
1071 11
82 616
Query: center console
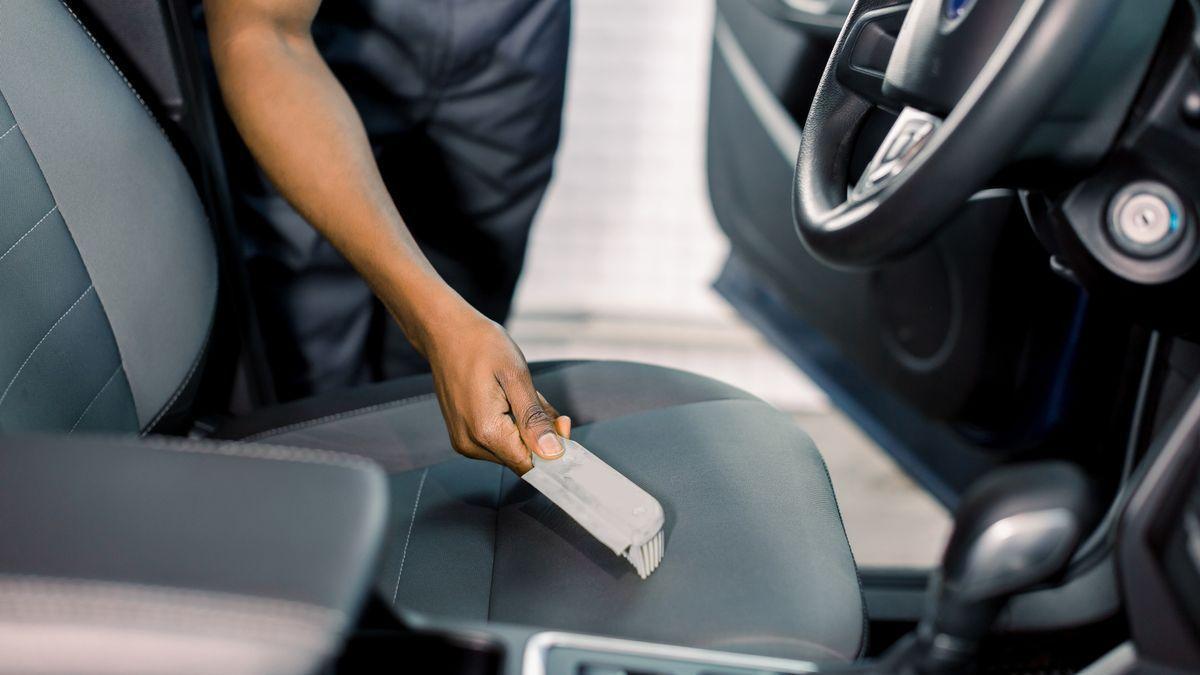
143 555
551 652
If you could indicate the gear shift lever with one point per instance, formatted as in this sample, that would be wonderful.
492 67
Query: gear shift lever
1015 529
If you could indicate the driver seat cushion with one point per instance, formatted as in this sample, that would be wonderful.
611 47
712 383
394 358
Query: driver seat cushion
756 559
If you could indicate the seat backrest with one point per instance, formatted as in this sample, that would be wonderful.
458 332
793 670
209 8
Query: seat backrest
108 273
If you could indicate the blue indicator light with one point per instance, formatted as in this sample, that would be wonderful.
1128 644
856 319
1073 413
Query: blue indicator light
956 8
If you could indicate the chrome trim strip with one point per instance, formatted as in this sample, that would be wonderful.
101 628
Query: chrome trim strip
538 647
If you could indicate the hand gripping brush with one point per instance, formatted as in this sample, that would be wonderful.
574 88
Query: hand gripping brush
623 516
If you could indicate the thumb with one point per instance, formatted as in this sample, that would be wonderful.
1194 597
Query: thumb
534 423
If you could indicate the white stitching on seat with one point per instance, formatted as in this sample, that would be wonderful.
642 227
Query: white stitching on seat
94 399
280 453
337 416
29 231
112 63
8 131
407 537
39 344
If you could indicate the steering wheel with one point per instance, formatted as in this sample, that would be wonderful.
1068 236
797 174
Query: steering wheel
972 79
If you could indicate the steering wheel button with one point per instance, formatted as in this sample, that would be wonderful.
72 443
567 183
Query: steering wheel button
1145 219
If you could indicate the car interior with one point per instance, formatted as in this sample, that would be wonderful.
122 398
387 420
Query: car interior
973 223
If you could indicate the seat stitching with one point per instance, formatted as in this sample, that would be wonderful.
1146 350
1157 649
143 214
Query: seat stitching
407 537
375 407
239 450
8 131
29 231
33 351
495 544
279 453
113 64
129 85
94 399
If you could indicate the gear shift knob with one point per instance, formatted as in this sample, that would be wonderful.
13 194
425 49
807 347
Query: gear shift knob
1015 529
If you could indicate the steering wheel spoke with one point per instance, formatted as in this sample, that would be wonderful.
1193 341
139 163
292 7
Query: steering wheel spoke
908 136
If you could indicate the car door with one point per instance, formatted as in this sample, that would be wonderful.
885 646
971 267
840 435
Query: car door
965 352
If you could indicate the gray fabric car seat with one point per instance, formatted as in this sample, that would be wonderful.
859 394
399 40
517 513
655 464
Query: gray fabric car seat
107 291
756 558
108 274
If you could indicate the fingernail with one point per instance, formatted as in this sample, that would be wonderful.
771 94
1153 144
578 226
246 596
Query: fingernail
551 446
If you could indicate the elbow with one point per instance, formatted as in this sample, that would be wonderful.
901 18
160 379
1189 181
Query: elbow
250 40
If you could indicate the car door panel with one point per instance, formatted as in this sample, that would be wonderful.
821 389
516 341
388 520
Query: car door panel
973 334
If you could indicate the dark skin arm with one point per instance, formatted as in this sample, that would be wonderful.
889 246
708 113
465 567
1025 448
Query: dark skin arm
305 133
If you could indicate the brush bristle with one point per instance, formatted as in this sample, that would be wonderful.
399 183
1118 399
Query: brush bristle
646 557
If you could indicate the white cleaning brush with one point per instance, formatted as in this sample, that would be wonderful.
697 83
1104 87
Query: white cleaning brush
623 516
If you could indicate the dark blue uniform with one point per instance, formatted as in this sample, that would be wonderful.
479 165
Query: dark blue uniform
462 100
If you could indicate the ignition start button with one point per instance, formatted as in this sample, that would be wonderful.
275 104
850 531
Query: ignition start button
1146 219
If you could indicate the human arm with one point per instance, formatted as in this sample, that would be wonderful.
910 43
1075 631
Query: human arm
303 130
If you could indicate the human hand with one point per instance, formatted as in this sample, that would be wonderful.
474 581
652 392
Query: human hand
486 395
